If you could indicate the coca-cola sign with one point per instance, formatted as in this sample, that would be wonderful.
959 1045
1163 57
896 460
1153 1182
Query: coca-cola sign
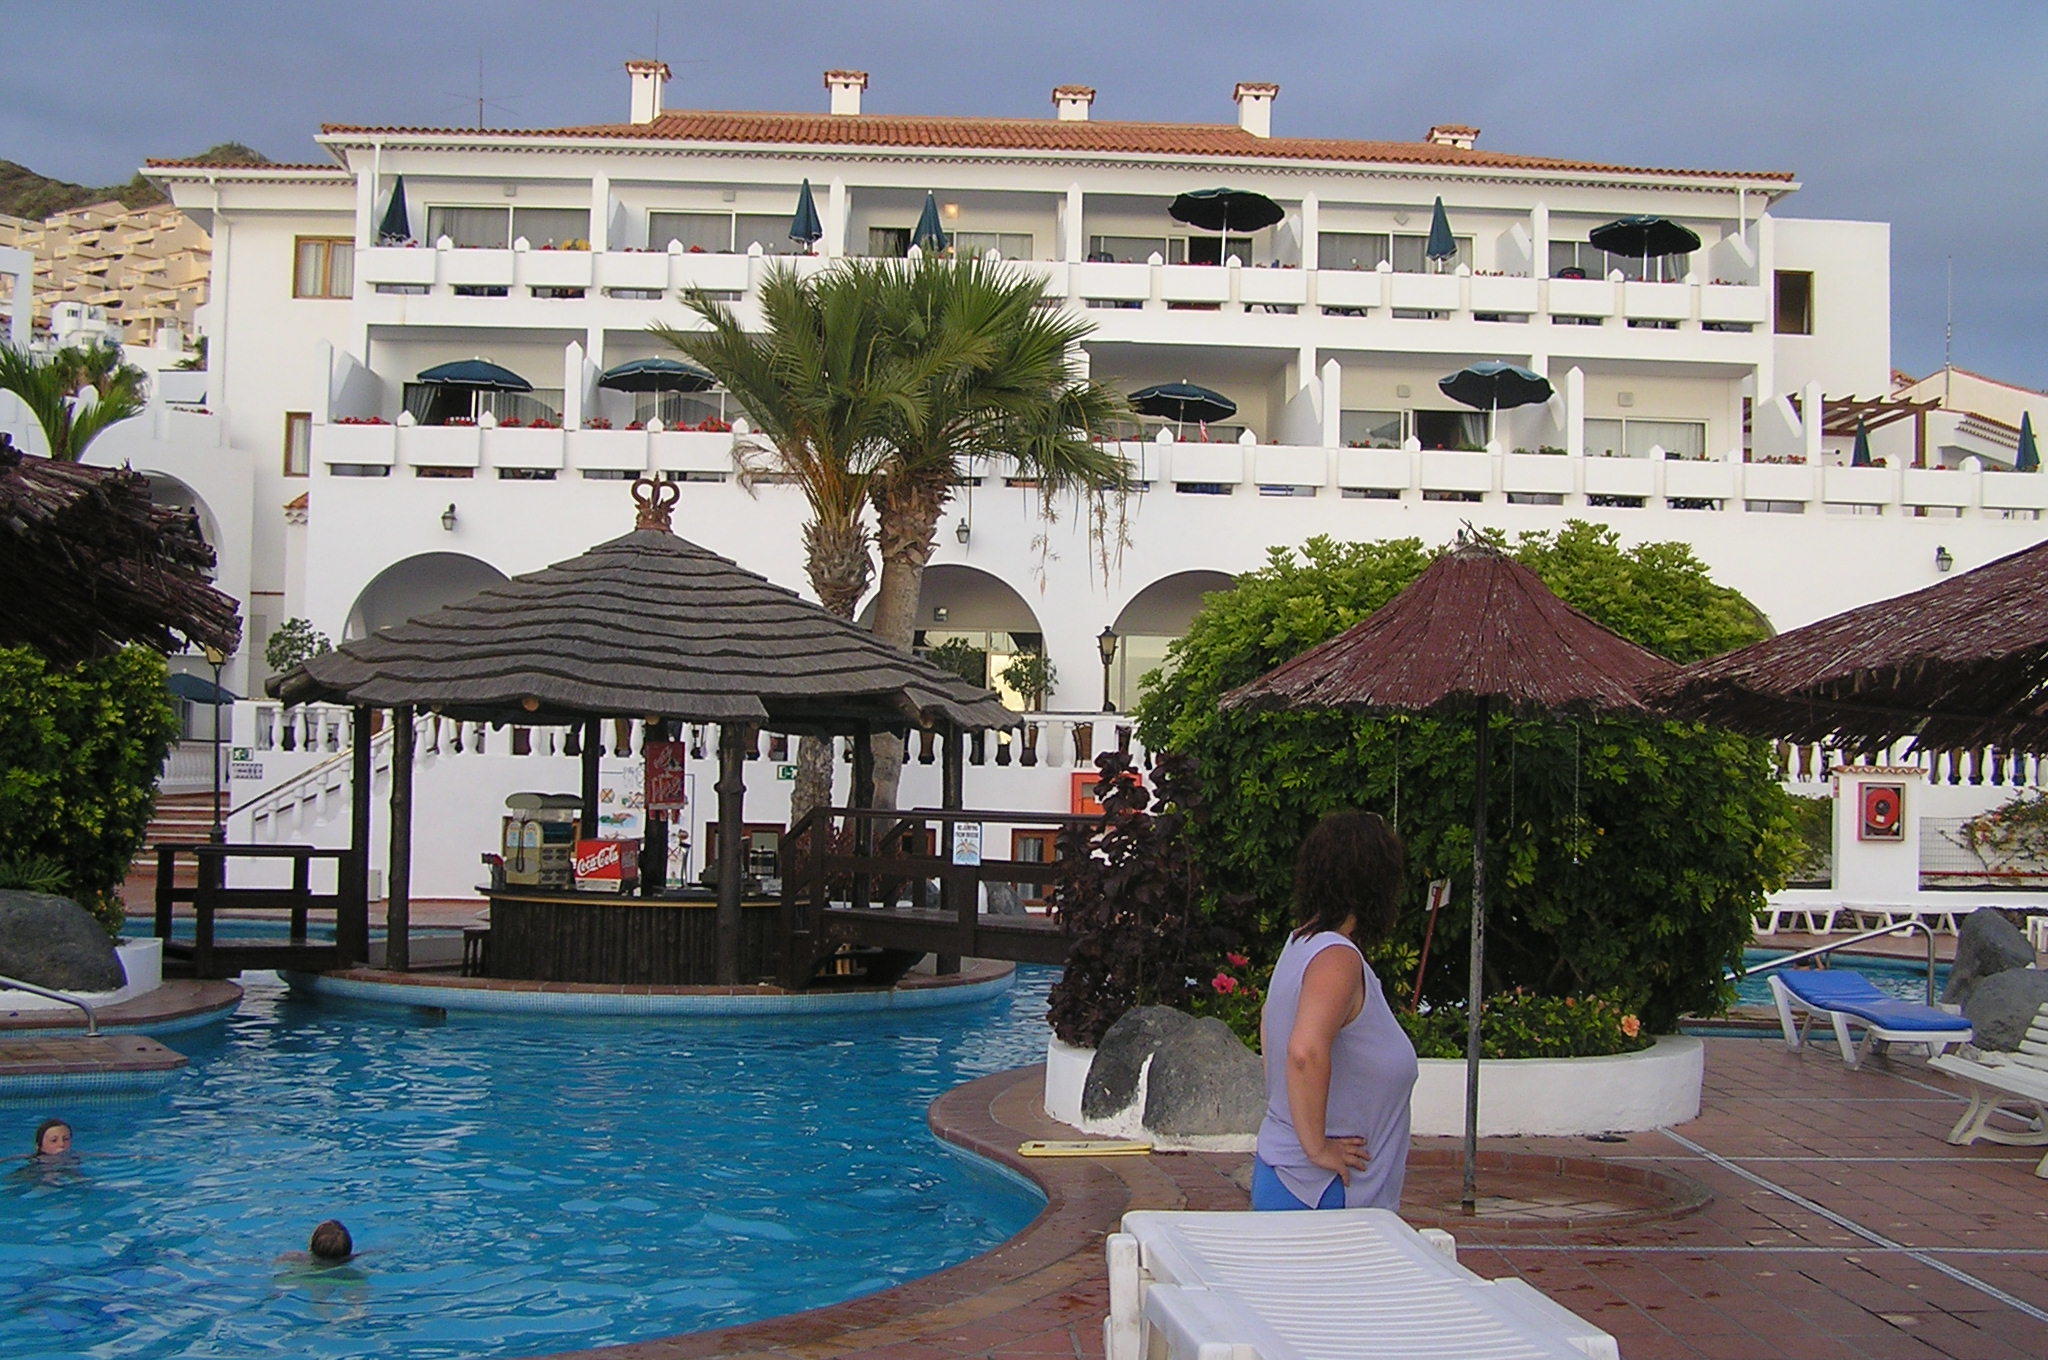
601 866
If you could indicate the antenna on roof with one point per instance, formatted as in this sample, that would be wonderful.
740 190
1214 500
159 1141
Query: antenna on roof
479 87
1948 332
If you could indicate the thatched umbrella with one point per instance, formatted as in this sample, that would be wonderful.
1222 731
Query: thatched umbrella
88 564
1960 664
1477 632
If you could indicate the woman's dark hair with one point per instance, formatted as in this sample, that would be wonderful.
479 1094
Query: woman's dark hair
1349 866
46 1126
331 1241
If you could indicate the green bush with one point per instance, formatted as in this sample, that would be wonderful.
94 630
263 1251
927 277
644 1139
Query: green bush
294 641
1625 855
80 750
1813 833
1523 1025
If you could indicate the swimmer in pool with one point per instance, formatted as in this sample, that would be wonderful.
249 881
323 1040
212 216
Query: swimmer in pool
53 1141
53 1162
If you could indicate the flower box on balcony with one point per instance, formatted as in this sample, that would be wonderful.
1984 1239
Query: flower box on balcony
1287 465
638 269
1272 287
1494 293
1859 485
1706 479
1189 462
1543 474
1424 292
440 445
1455 470
1777 482
691 451
1620 477
476 268
1375 469
1657 301
1581 297
1113 282
1349 288
403 265
607 450
554 268
1936 486
713 273
1194 283
2015 491
356 445
523 448
1733 304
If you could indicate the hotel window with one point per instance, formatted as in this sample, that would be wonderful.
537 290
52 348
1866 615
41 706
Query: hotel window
1636 438
975 245
471 228
1137 249
708 232
563 228
298 443
323 267
770 230
1794 291
1034 847
1353 249
1594 263
1411 256
1369 429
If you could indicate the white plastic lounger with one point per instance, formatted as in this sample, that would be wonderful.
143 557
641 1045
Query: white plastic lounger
1846 998
1337 1284
2000 1080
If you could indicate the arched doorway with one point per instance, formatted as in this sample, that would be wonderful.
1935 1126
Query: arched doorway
975 622
1155 618
415 586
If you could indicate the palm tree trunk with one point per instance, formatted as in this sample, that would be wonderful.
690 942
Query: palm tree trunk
907 533
836 560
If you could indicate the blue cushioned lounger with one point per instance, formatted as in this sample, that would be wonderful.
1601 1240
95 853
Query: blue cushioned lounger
1845 997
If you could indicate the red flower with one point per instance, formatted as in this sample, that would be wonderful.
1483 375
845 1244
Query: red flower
1237 960
1224 983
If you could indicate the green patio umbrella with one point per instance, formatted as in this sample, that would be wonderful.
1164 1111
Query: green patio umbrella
1441 245
1859 453
396 228
2028 459
804 228
929 236
1225 210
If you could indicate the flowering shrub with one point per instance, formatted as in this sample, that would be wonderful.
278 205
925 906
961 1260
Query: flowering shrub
1520 1024
597 423
1235 994
361 420
2012 837
458 420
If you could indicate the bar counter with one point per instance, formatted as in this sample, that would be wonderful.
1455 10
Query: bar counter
557 935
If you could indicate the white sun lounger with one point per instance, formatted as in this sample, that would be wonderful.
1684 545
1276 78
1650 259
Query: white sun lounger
2002 1080
1337 1284
1846 997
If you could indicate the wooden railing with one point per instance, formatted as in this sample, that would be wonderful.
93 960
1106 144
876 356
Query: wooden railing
211 894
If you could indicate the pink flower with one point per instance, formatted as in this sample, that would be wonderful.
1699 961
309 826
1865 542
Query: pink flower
1224 983
1237 960
1631 1026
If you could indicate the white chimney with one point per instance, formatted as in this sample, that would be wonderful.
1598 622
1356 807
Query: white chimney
846 87
1255 106
1454 134
648 78
1072 101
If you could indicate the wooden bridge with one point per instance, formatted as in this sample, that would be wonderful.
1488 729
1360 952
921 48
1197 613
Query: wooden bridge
885 888
207 956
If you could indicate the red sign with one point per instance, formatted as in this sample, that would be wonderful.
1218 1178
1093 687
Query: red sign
605 866
664 776
1883 809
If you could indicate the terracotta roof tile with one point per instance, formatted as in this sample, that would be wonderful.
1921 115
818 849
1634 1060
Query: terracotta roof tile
154 163
1040 134
298 502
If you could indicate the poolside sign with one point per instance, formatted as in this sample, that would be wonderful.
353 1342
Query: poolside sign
665 791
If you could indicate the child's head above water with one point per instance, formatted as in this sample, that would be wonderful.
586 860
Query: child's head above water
331 1242
53 1138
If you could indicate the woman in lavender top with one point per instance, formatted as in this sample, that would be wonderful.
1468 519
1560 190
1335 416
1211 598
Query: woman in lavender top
1339 1068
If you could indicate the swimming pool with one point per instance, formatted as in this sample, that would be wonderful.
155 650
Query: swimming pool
516 1186
1905 979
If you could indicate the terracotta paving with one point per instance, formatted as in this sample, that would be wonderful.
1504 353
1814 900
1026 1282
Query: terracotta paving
104 1054
177 999
1840 1227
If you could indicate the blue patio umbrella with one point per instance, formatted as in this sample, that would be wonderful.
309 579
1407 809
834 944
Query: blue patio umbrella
396 228
1441 244
657 374
478 375
200 690
1182 401
1859 452
804 227
1496 385
2028 459
929 236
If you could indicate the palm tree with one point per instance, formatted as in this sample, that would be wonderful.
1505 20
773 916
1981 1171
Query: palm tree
1008 385
813 382
75 393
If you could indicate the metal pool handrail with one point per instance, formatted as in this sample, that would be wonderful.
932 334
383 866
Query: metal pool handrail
1821 951
92 1021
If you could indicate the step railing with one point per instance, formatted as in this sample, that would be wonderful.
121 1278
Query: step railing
1821 952
92 1020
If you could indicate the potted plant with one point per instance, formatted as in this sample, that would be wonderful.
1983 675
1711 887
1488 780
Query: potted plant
1032 675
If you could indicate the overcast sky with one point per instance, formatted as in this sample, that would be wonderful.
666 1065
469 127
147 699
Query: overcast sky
1927 116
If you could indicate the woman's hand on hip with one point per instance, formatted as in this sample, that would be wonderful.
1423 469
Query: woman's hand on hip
1341 1155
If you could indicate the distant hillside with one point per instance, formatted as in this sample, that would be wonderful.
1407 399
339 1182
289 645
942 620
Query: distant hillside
24 193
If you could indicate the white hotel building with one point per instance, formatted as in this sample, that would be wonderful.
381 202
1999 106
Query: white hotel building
1709 398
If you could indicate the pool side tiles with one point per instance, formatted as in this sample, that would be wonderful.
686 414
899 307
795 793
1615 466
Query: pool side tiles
179 1004
107 1064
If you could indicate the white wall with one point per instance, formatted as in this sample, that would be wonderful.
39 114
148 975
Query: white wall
1850 350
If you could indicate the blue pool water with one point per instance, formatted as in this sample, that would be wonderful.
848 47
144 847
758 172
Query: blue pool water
515 1186
1902 978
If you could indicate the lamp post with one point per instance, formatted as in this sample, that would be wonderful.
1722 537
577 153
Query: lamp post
1105 642
216 658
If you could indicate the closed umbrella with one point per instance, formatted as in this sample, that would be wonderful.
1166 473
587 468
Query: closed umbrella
1181 402
929 236
656 375
1477 633
2028 459
1225 210
1859 453
396 228
1494 385
1441 245
1643 236
804 227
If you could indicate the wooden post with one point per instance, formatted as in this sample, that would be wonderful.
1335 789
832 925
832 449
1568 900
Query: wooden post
398 887
958 889
862 797
654 839
352 922
952 771
732 854
591 747
1476 961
